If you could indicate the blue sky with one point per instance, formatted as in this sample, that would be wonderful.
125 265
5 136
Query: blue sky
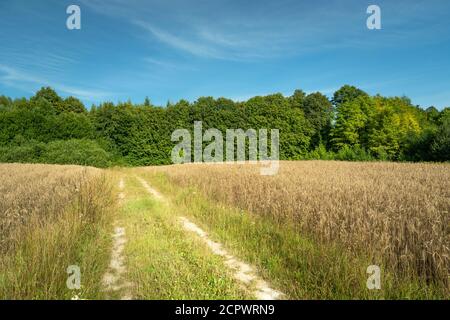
168 50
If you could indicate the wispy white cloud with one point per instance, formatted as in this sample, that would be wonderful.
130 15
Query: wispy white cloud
236 30
166 65
227 33
28 82
231 30
202 42
195 48
159 63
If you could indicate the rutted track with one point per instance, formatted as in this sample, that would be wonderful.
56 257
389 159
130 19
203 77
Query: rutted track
113 279
242 271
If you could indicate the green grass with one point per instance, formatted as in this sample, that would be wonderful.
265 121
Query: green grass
165 262
294 264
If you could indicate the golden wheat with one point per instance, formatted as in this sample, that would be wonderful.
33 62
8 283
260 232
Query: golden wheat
36 192
394 212
52 217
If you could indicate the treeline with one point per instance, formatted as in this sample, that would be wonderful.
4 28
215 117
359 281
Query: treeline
352 126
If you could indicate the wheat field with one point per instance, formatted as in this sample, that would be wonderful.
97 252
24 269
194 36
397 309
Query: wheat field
346 214
51 217
396 213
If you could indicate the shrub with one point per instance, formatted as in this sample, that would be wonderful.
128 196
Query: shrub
320 153
28 152
76 151
355 153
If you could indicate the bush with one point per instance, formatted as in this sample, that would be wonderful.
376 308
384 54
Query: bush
355 153
29 152
440 148
320 153
76 151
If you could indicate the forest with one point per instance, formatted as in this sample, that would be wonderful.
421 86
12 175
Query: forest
352 125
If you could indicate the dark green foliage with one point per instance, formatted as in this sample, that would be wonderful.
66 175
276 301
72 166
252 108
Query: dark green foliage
5 102
351 121
47 94
147 102
71 104
432 114
22 152
275 111
440 147
319 113
353 154
352 126
346 94
75 151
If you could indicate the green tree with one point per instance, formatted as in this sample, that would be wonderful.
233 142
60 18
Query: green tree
275 112
432 114
440 147
392 127
319 113
351 121
296 100
5 101
71 125
49 95
347 93
71 104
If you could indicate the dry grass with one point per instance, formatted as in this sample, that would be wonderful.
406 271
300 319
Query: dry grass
390 212
51 217
35 192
